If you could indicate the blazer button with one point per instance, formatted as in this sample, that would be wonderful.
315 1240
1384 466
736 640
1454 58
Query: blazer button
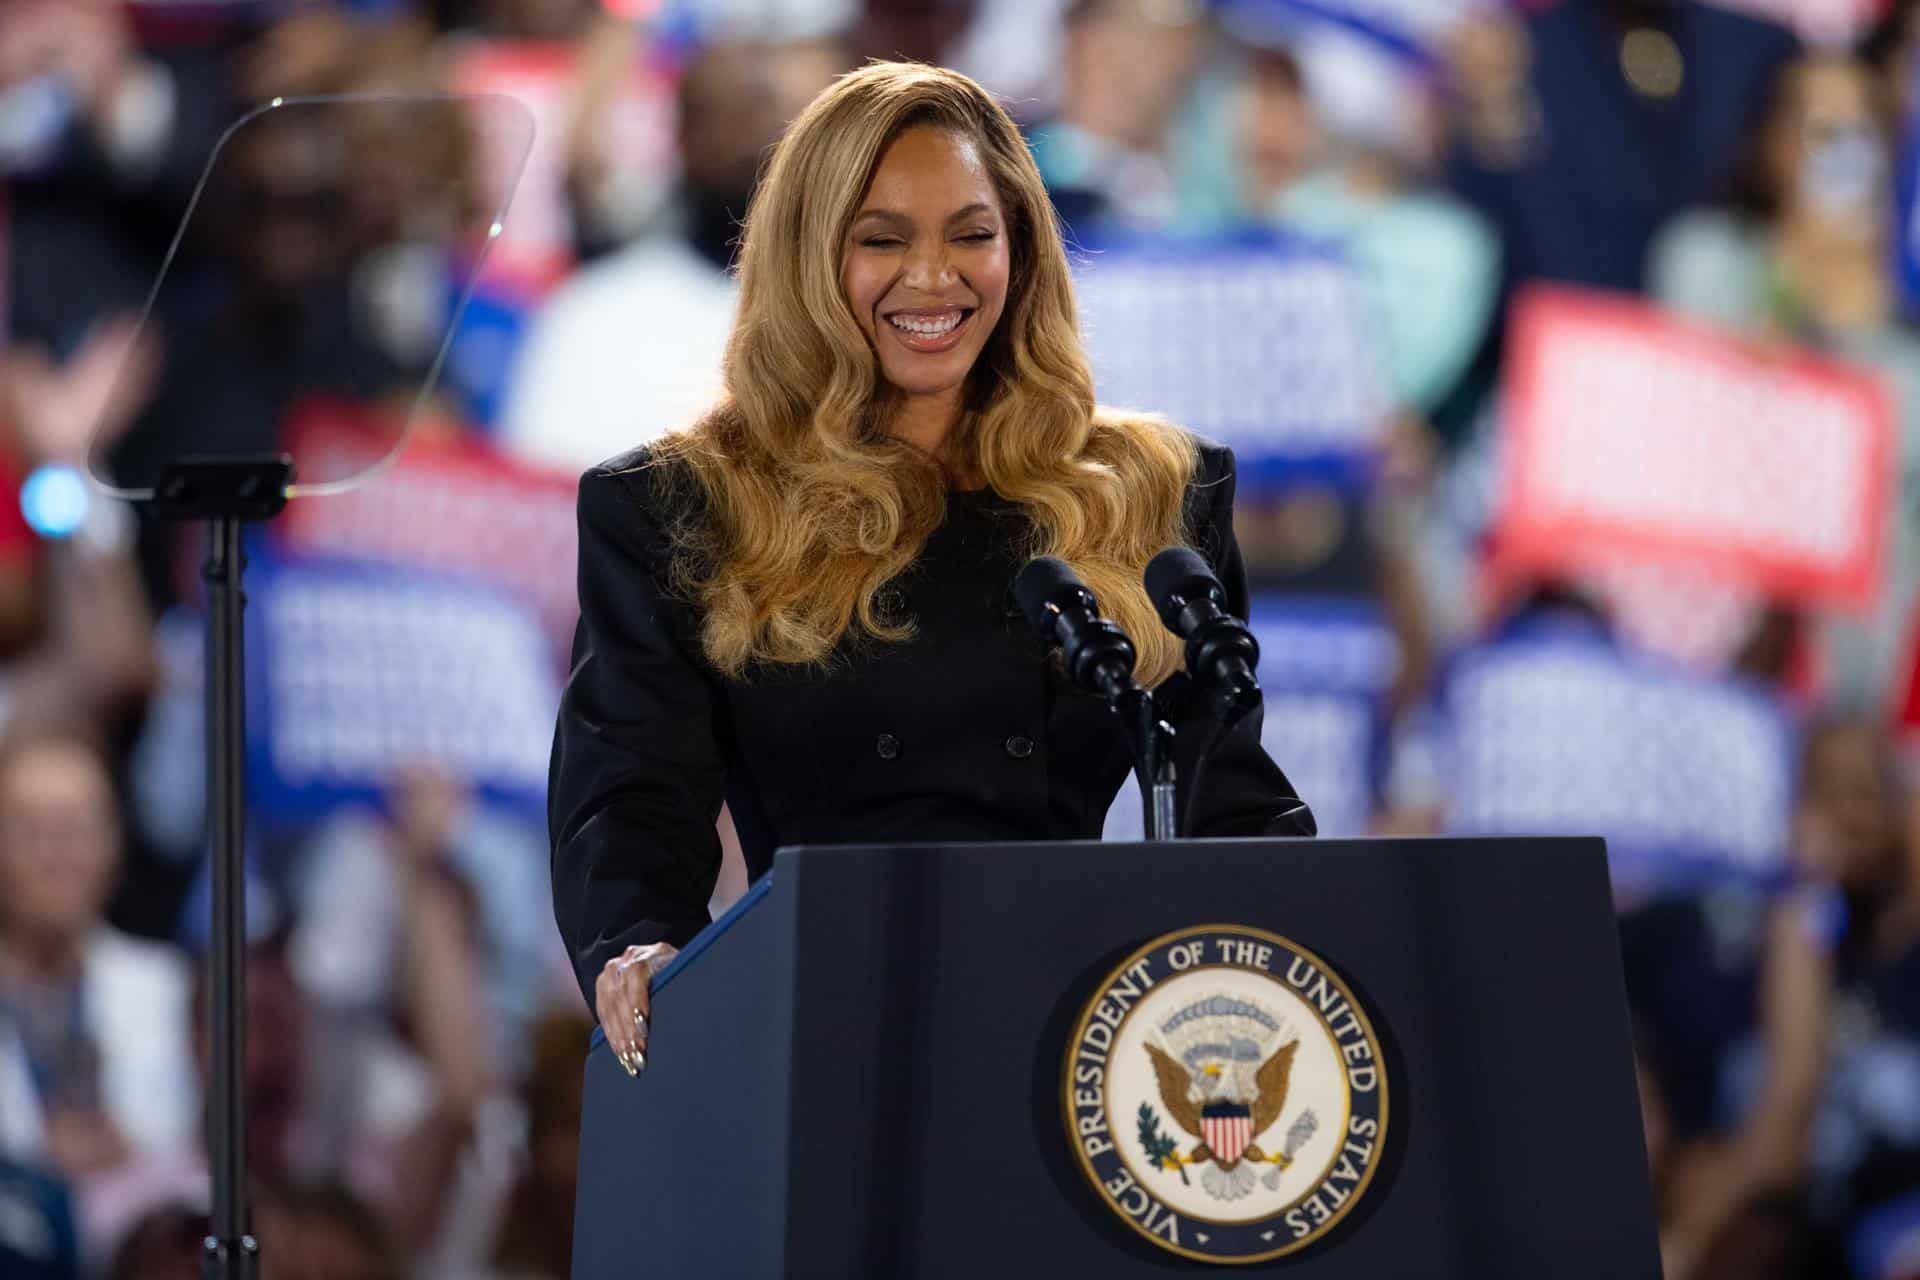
887 746
1019 746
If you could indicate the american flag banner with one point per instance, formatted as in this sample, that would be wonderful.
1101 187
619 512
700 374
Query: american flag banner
1554 731
1632 432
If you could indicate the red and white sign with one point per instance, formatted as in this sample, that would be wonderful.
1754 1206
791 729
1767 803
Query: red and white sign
636 140
448 502
1631 433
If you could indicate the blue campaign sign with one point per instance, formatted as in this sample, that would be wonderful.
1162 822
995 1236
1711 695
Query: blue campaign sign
1263 341
1325 668
1554 731
358 672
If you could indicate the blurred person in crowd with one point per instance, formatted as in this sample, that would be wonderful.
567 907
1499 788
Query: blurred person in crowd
1824 1102
323 1231
912 30
1337 160
38 1240
1583 126
631 346
1799 252
536 1231
101 142
167 1243
95 1063
1892 48
535 19
1016 48
276 1075
1127 69
1336 144
420 943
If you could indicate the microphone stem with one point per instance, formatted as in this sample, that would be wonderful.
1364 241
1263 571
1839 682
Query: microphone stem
1151 739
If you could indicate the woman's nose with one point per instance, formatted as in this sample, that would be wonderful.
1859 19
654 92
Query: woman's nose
931 268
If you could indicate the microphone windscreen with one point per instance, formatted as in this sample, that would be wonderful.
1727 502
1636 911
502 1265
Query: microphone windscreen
1039 581
1180 573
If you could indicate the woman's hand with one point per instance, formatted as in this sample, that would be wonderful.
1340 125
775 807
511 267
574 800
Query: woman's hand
622 996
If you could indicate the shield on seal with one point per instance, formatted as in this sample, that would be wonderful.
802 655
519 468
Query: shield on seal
1227 1128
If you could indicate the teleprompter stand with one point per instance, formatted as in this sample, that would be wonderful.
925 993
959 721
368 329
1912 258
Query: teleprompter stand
227 493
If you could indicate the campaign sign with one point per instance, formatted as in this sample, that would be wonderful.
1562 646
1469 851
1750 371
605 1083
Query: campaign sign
447 502
1325 667
1552 731
1264 342
358 673
1631 431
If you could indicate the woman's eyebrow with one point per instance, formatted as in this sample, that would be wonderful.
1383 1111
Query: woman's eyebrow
897 218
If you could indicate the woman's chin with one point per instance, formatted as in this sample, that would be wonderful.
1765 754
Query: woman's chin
924 383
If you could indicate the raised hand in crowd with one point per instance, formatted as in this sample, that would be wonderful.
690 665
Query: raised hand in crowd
88 44
76 601
62 410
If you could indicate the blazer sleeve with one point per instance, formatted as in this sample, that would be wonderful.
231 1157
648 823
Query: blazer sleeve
637 772
1243 792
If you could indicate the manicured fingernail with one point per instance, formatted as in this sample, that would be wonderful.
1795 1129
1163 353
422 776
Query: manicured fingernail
627 1064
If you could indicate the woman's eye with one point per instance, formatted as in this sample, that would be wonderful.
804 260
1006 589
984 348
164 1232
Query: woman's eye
979 237
882 242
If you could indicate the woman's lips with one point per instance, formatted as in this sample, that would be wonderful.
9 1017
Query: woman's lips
938 330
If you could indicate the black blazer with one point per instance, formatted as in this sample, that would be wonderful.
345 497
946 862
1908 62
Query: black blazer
966 732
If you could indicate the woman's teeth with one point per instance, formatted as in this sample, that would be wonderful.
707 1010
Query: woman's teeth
928 326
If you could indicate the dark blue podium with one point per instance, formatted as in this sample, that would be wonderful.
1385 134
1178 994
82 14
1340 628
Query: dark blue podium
858 1070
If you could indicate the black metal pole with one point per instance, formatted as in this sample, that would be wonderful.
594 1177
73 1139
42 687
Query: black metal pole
230 1252
1151 740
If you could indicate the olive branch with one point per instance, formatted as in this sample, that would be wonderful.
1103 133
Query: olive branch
1160 1148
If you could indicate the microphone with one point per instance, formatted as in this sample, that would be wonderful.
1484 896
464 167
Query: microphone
1099 658
1221 652
1096 653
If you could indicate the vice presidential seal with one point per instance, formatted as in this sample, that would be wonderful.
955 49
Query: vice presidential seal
1226 1094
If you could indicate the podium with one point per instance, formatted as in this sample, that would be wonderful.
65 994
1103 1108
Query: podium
862 1069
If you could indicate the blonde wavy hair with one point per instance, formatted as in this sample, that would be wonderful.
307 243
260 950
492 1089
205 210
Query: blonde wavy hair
811 509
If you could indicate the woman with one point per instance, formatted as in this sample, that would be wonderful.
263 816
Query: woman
96 1065
1800 255
802 603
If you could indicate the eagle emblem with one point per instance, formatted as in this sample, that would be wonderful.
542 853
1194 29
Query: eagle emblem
1223 1082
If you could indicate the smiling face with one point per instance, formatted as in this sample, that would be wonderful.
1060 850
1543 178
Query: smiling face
926 261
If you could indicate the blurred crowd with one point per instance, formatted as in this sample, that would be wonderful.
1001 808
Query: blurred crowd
413 1062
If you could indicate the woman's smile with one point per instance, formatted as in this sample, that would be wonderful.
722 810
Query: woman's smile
930 330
